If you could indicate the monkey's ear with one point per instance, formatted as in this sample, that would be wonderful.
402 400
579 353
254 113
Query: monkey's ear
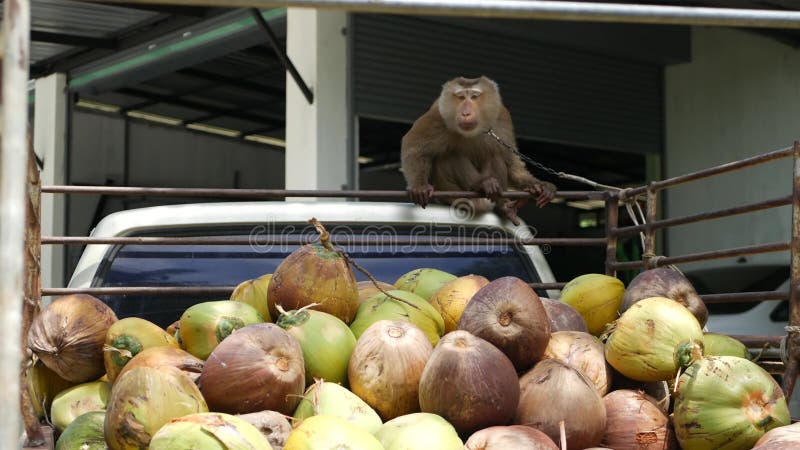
492 83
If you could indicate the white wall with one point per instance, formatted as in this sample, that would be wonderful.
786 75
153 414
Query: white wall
740 96
318 151
159 156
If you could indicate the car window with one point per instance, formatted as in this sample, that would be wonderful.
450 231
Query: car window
226 265
738 278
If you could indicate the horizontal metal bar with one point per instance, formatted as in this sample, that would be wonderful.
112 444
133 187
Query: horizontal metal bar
716 170
703 256
744 297
782 201
757 341
366 239
520 9
223 291
264 194
547 285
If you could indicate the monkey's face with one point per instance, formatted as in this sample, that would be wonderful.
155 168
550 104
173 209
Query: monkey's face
468 109
466 106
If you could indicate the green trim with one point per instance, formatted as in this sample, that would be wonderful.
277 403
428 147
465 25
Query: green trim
166 51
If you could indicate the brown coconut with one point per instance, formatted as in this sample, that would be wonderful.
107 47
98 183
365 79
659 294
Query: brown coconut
69 335
314 274
509 314
669 283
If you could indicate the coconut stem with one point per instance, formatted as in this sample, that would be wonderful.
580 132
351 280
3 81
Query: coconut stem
324 235
562 427
765 421
677 377
283 312
324 238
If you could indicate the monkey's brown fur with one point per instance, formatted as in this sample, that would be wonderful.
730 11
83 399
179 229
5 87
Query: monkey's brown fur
448 149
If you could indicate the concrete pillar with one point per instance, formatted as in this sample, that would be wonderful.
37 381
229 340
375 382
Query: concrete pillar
318 150
49 141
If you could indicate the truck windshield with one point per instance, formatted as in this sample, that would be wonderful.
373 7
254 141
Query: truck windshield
228 265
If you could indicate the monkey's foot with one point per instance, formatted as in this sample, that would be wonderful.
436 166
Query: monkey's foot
510 209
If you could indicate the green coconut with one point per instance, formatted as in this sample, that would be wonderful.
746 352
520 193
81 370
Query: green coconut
597 299
254 293
723 345
78 400
413 309
326 341
726 403
129 336
209 431
43 385
653 339
419 431
424 282
331 399
84 433
204 325
325 432
146 398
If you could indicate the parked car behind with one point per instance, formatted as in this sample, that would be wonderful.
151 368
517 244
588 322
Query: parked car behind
228 265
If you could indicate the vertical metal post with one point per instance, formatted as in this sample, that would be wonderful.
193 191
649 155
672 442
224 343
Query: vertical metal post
649 250
13 170
793 338
33 293
49 130
612 220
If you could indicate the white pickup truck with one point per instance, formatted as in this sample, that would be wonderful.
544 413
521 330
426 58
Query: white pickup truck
228 265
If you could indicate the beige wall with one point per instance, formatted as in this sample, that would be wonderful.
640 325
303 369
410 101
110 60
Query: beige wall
740 96
159 156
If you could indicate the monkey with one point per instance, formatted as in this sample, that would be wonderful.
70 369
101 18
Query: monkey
448 148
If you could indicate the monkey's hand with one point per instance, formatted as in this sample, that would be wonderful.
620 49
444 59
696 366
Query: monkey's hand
421 194
543 192
491 187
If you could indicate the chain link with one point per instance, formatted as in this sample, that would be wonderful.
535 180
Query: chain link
548 170
627 201
525 158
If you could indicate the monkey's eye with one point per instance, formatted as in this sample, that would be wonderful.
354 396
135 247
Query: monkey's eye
461 96
474 95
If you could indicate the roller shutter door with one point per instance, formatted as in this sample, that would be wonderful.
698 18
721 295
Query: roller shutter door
555 94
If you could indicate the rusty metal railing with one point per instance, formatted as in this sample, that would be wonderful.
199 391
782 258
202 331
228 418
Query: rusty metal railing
790 343
271 194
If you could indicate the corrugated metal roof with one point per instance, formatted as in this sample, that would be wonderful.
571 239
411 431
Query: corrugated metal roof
84 19
43 50
94 20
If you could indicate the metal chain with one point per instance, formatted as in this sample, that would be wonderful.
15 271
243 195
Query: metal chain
548 170
578 179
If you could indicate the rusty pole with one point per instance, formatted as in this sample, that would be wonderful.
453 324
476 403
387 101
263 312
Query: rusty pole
33 294
793 330
612 220
649 250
